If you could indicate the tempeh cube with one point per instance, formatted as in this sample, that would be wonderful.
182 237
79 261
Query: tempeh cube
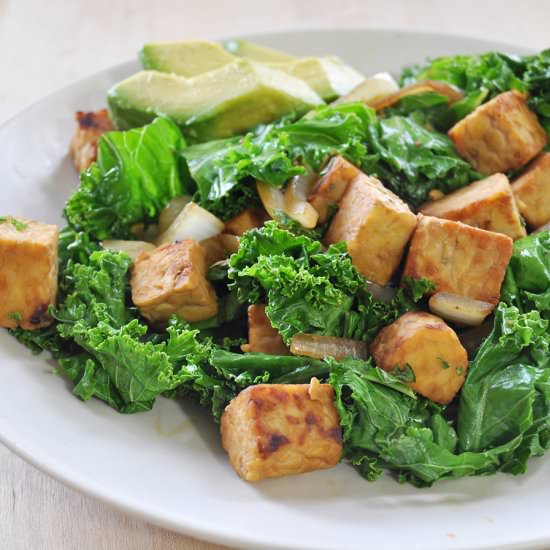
273 430
487 204
532 192
376 225
262 337
423 342
171 280
90 126
500 135
28 272
459 259
245 220
331 186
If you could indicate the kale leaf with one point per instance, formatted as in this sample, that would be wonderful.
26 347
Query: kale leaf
386 426
492 71
411 159
506 396
482 77
503 415
527 282
433 110
136 174
273 154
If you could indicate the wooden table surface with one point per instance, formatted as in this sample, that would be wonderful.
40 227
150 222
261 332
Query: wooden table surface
47 45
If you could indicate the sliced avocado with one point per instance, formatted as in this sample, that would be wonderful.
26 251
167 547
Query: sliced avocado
255 52
189 58
216 104
328 76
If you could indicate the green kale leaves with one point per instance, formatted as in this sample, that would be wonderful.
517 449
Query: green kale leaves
411 159
140 170
494 72
136 174
503 413
386 426
275 153
484 76
118 360
506 395
108 353
527 283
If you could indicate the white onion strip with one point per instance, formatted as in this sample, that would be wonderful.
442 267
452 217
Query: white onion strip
193 222
319 347
171 211
132 248
460 309
293 202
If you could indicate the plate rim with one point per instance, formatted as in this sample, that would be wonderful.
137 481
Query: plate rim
196 528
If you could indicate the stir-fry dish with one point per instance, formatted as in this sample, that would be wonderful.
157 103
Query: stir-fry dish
338 267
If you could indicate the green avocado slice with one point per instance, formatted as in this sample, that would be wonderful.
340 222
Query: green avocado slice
216 104
328 76
255 52
187 58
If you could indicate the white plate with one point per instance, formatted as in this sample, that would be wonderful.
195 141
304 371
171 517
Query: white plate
167 466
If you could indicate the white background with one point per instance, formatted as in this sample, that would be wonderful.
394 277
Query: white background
45 45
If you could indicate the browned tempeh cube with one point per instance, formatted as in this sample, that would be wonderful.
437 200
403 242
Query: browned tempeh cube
487 204
430 347
245 220
331 185
171 280
28 272
90 126
376 225
532 192
262 337
458 258
501 135
273 430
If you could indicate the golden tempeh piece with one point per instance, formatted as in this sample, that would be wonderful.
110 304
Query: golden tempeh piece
90 126
219 247
171 280
375 224
501 135
28 272
262 337
458 258
430 347
273 430
532 192
487 204
247 219
331 186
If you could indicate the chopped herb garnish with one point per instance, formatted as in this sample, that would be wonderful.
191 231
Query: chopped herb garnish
444 364
19 225
459 371
15 316
405 373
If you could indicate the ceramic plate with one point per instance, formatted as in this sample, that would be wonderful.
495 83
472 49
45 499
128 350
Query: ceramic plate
167 466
